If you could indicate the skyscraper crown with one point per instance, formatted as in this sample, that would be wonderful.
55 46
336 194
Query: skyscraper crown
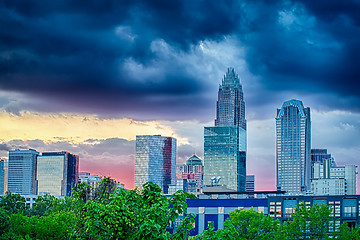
230 107
292 103
231 78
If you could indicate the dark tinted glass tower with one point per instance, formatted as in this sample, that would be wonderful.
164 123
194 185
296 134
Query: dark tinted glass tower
225 144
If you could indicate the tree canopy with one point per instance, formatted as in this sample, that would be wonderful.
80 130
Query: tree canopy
107 212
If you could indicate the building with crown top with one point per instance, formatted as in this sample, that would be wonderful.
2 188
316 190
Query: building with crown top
225 143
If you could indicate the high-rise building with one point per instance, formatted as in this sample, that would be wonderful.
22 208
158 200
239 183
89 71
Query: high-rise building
22 171
332 180
192 172
293 129
2 176
225 144
155 161
318 156
250 183
57 173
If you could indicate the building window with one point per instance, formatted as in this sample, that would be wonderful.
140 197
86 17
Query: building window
261 209
349 212
289 212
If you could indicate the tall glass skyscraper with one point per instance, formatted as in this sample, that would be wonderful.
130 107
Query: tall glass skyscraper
225 144
22 171
293 129
155 161
57 173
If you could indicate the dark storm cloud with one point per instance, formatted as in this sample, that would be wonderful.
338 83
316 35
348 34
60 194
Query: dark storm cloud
137 57
309 47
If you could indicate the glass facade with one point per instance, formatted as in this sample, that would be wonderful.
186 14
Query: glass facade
293 128
22 171
2 176
250 183
50 175
225 144
155 161
225 156
318 156
57 173
230 107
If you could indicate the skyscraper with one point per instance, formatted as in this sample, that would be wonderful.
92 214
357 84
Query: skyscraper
293 129
57 173
225 144
22 171
155 161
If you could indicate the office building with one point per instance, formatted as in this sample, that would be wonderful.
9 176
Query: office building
57 173
2 176
155 161
210 211
192 172
225 144
22 171
318 156
90 179
331 180
250 183
293 129
6 164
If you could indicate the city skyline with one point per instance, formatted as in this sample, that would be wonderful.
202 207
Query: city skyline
88 78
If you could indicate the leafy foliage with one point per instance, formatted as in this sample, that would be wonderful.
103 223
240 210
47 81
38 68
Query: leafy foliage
245 224
105 213
47 204
249 224
130 214
13 203
308 222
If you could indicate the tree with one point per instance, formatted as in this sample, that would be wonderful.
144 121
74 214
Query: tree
344 233
249 224
13 203
47 204
308 222
127 214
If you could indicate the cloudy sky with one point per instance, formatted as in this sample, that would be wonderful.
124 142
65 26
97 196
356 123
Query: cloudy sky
87 78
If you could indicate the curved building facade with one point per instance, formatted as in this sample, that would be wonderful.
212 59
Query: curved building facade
293 129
